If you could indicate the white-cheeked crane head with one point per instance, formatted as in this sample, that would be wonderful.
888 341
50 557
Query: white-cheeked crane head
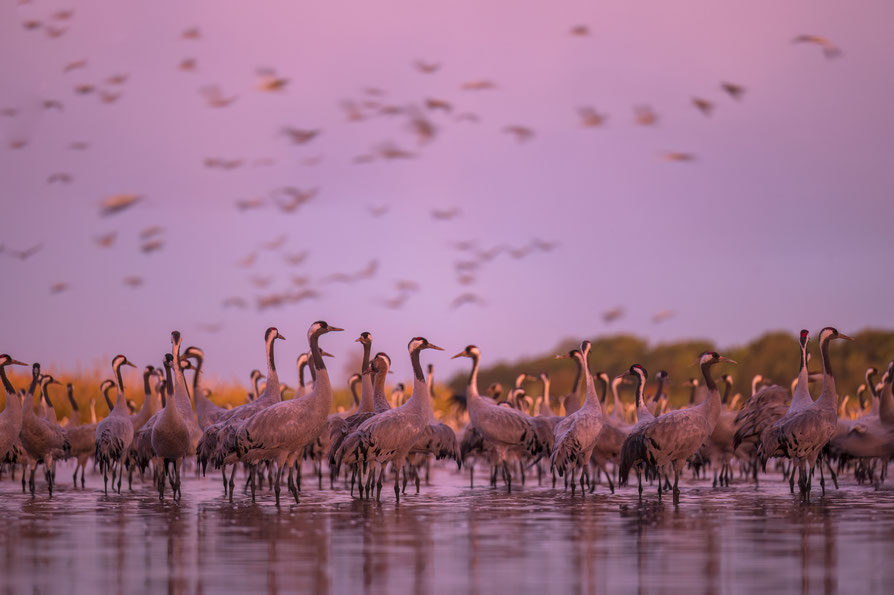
711 358
272 334
636 370
469 351
320 327
830 333
417 343
6 360
119 360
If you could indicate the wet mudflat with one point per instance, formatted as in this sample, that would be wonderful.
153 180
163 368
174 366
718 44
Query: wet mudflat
447 539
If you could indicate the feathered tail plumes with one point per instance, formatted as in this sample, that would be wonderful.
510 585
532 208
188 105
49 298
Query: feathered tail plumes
632 451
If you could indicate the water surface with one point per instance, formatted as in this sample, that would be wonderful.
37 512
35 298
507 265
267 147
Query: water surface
449 538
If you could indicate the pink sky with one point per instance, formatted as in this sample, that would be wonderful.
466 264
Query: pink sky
782 221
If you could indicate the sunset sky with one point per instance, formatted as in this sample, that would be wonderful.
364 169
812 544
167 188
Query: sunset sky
784 218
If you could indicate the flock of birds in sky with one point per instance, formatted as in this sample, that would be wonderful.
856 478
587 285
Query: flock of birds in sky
579 436
422 118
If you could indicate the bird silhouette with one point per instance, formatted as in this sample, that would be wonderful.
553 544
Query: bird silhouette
522 133
580 30
830 50
590 118
300 136
427 67
215 97
703 105
118 203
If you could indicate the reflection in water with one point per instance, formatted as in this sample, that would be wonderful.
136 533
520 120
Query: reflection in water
449 539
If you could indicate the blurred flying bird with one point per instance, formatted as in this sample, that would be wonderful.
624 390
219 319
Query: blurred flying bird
299 136
215 97
276 243
703 105
191 33
82 63
249 203
118 202
133 281
466 279
735 91
296 259
261 282
580 30
590 118
830 50
235 302
18 143
422 127
151 246
427 67
543 245
84 89
644 116
522 133
53 104
662 315
9 112
406 285
32 24
268 81
352 111
106 240
54 32
438 104
611 315
467 298
678 156
478 85
117 79
446 214
187 64
389 150
58 287
248 260
300 280
296 197
63 15
148 232
27 253
79 146
61 177
397 301
109 97
377 210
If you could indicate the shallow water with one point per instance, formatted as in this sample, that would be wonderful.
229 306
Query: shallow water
449 538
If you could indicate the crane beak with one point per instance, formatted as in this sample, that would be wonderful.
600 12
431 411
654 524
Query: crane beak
433 346
460 354
129 363
16 362
727 360
357 340
845 337
333 328
621 376
279 336
325 353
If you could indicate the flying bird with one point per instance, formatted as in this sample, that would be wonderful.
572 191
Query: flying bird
53 104
735 91
148 232
703 105
151 246
82 63
106 240
296 198
27 253
84 89
187 65
611 315
438 104
192 33
246 204
118 202
644 116
590 118
268 81
61 177
109 97
662 315
215 97
446 214
58 287
678 156
427 67
467 298
580 30
133 281
378 210
117 79
296 259
522 133
830 50
276 243
300 136
389 150
478 85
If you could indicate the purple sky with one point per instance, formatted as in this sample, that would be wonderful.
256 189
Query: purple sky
782 221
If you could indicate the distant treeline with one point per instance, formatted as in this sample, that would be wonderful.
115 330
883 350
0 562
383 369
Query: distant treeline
774 355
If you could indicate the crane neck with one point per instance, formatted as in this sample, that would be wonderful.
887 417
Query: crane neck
10 389
301 365
195 380
616 399
380 401
472 391
640 389
366 383
315 353
167 396
120 399
577 377
828 396
29 396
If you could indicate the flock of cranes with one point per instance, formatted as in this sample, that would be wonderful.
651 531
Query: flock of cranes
270 436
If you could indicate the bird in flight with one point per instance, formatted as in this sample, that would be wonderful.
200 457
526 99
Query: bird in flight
830 50
215 97
427 67
733 90
590 118
522 133
580 30
27 253
118 202
300 136
644 116
678 156
703 105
